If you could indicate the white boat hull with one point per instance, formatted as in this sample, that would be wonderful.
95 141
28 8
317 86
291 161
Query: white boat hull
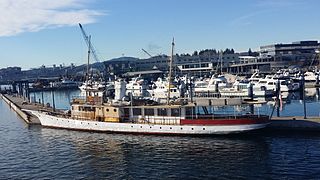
145 128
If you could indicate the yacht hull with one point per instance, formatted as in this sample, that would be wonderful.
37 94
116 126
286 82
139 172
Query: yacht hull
187 127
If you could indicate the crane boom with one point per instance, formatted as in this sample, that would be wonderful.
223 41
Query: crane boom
89 44
146 52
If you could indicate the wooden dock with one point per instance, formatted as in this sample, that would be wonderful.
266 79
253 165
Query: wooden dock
18 104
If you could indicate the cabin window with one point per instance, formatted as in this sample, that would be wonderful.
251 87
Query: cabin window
126 111
149 112
107 110
162 112
136 111
190 111
114 110
175 112
89 108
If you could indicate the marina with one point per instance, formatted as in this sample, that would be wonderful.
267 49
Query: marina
159 90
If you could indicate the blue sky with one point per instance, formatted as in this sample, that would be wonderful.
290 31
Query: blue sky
46 32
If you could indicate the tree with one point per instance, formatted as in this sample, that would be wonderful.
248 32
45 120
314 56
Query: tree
195 53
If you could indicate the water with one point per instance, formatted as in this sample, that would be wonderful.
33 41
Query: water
33 152
62 98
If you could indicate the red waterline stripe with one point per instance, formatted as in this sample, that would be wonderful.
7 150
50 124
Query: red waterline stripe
223 121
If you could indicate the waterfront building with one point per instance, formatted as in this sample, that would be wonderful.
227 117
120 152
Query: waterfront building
120 66
248 65
200 63
279 56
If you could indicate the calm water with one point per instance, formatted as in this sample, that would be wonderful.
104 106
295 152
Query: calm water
41 153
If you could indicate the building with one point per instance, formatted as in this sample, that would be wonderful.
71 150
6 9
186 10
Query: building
248 65
196 64
279 56
119 66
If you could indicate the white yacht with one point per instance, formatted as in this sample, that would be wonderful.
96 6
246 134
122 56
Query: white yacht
137 87
269 83
242 89
211 85
160 90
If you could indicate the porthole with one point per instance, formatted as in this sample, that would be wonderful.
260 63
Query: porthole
181 128
107 110
170 127
96 123
81 122
204 128
132 126
150 127
160 128
140 126
115 110
191 128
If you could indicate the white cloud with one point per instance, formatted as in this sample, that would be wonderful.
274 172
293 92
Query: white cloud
262 7
246 19
18 16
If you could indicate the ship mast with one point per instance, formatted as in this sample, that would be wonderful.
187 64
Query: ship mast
170 71
88 63
88 58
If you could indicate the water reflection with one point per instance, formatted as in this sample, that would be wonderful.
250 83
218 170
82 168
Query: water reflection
154 156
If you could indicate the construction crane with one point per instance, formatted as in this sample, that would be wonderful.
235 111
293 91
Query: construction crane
146 52
89 44
91 49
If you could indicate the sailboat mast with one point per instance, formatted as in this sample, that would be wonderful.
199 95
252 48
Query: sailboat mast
220 58
170 71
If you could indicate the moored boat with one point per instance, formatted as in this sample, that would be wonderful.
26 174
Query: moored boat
173 119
